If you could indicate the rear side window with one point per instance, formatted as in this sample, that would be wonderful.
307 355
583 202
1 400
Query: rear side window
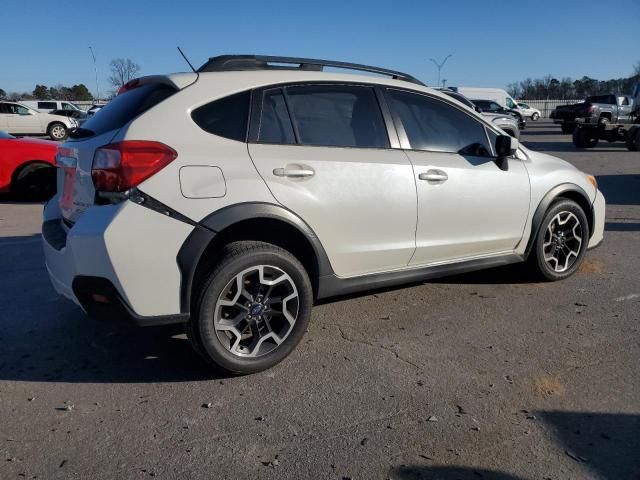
341 116
436 126
127 106
227 117
275 124
47 105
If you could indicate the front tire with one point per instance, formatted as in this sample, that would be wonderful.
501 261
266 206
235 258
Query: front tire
583 138
633 139
57 131
561 241
253 310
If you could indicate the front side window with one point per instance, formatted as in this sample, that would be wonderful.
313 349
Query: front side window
436 126
226 117
20 110
510 103
337 115
47 105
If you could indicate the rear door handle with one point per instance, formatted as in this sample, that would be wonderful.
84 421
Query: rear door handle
293 172
434 176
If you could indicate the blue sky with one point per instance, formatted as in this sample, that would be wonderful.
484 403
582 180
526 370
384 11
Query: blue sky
493 42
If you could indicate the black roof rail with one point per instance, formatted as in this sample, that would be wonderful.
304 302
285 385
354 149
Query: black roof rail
224 63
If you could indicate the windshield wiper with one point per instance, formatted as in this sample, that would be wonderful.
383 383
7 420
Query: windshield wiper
81 133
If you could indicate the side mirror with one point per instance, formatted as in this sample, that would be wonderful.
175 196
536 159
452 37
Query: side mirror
478 109
506 146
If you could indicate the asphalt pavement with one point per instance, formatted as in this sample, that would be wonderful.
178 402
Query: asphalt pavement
485 375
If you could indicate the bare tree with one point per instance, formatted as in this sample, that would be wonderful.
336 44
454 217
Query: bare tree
122 70
514 90
636 68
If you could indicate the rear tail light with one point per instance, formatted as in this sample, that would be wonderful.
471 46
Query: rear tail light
120 166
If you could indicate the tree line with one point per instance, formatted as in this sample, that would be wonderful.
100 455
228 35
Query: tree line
122 70
565 88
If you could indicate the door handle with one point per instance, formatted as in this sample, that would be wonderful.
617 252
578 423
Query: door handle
434 176
293 172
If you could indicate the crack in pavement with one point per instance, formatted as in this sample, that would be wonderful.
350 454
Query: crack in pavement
386 349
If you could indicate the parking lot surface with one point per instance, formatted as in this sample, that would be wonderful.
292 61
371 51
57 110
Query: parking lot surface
484 375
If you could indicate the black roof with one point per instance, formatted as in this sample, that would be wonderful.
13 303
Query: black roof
225 63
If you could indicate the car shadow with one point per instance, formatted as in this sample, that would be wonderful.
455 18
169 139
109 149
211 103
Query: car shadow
419 472
606 443
620 189
622 227
570 147
47 338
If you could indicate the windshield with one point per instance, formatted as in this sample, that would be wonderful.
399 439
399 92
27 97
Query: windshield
5 135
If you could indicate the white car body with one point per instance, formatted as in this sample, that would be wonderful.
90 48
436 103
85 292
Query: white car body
47 106
498 95
19 119
528 111
485 213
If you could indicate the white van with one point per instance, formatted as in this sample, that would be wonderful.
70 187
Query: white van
46 106
498 95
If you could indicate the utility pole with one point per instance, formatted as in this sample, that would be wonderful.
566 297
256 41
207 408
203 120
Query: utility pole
444 83
440 65
95 70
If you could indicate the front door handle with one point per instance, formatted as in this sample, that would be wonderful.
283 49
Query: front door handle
293 172
434 176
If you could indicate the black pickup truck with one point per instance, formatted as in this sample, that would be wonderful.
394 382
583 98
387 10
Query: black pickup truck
597 109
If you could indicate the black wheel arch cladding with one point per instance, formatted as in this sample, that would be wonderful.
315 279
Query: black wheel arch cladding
213 226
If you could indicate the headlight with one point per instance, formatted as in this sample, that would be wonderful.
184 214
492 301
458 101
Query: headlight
503 119
592 180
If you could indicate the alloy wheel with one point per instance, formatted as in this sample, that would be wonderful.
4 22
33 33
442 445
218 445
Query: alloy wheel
256 311
562 241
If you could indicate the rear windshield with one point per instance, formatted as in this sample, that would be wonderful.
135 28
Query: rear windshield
127 106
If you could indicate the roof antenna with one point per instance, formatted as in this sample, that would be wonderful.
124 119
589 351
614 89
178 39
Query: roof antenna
186 59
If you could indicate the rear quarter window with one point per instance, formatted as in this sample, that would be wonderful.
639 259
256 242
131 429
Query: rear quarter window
226 117
127 106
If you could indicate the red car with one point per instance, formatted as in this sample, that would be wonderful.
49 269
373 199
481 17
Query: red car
27 166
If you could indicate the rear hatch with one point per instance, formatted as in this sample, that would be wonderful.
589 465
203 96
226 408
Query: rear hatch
75 157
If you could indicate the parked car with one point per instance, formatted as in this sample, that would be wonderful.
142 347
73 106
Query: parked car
507 123
47 106
232 199
79 115
27 166
489 106
599 109
19 119
529 112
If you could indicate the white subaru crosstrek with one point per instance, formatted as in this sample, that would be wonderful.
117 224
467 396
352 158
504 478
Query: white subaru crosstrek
233 198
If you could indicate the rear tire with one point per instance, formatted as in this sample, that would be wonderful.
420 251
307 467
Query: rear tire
535 117
567 127
557 252
583 138
35 182
57 131
244 323
633 139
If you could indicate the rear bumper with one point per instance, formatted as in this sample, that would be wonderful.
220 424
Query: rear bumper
117 261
